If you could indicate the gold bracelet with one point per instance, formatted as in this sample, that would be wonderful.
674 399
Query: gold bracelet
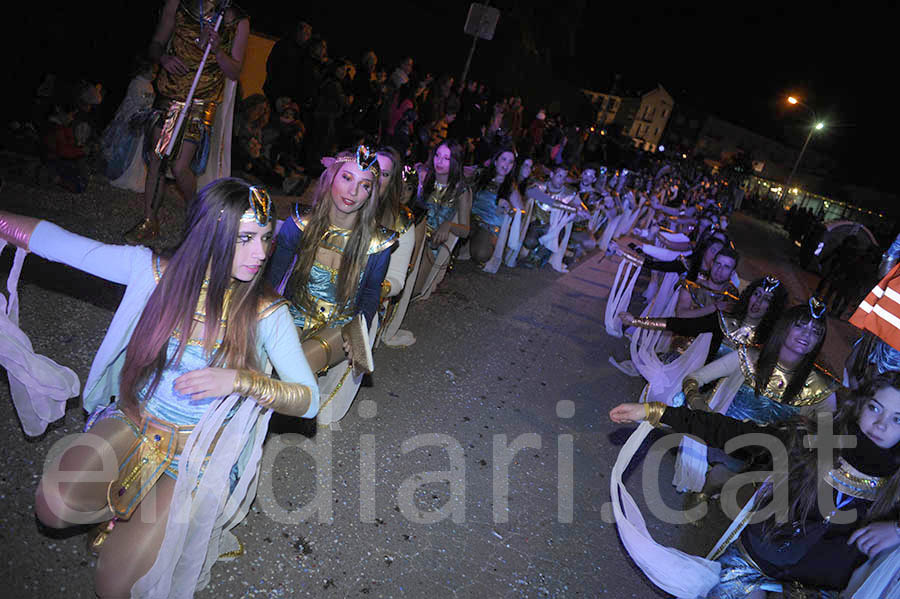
286 398
326 346
690 386
385 288
654 411
653 324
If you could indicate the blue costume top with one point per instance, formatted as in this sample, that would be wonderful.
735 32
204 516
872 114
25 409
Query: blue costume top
322 284
484 207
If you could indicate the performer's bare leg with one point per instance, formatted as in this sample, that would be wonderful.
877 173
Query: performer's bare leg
424 270
133 544
76 493
154 188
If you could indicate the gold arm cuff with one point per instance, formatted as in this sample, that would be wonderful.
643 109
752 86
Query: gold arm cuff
653 324
654 411
692 396
326 346
385 288
291 399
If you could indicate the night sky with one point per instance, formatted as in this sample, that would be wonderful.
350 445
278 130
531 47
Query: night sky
738 64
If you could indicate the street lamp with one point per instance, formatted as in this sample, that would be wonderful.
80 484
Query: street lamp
817 127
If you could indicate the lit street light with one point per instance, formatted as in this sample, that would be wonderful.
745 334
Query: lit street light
818 127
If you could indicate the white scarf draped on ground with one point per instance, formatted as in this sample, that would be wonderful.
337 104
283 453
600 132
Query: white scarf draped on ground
681 574
39 386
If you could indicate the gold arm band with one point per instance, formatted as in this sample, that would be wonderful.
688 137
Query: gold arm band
291 399
654 324
385 288
326 346
653 411
690 386
692 395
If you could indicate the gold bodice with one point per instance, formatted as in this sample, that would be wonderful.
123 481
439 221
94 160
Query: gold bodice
735 332
185 45
819 385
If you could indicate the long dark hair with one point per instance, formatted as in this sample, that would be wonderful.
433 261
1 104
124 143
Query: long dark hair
768 357
803 473
454 177
696 263
776 305
486 176
206 252
355 255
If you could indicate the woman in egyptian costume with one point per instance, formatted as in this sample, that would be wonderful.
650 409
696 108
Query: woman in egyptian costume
330 262
494 197
202 150
171 461
749 323
846 546
446 200
765 385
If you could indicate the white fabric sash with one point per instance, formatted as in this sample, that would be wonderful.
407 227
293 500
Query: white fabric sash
683 575
620 294
517 232
39 386
691 463
201 508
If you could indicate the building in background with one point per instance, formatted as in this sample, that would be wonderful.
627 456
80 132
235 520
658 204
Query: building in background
642 119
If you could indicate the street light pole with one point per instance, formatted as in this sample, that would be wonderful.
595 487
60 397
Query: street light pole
797 163
816 127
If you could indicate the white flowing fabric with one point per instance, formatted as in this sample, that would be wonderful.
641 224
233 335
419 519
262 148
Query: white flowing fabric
681 574
390 328
202 509
665 380
517 232
675 237
878 578
39 386
635 215
691 463
561 221
620 294
219 164
339 386
662 254
611 226
662 305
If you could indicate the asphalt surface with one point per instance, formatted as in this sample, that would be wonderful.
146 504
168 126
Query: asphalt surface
410 483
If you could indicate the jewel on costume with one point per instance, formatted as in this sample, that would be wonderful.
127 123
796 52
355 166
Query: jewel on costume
817 307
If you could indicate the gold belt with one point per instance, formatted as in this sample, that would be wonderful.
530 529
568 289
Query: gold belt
156 446
200 114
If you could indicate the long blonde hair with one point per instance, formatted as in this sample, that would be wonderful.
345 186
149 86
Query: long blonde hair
355 255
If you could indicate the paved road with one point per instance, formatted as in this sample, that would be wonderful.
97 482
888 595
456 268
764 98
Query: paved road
412 494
